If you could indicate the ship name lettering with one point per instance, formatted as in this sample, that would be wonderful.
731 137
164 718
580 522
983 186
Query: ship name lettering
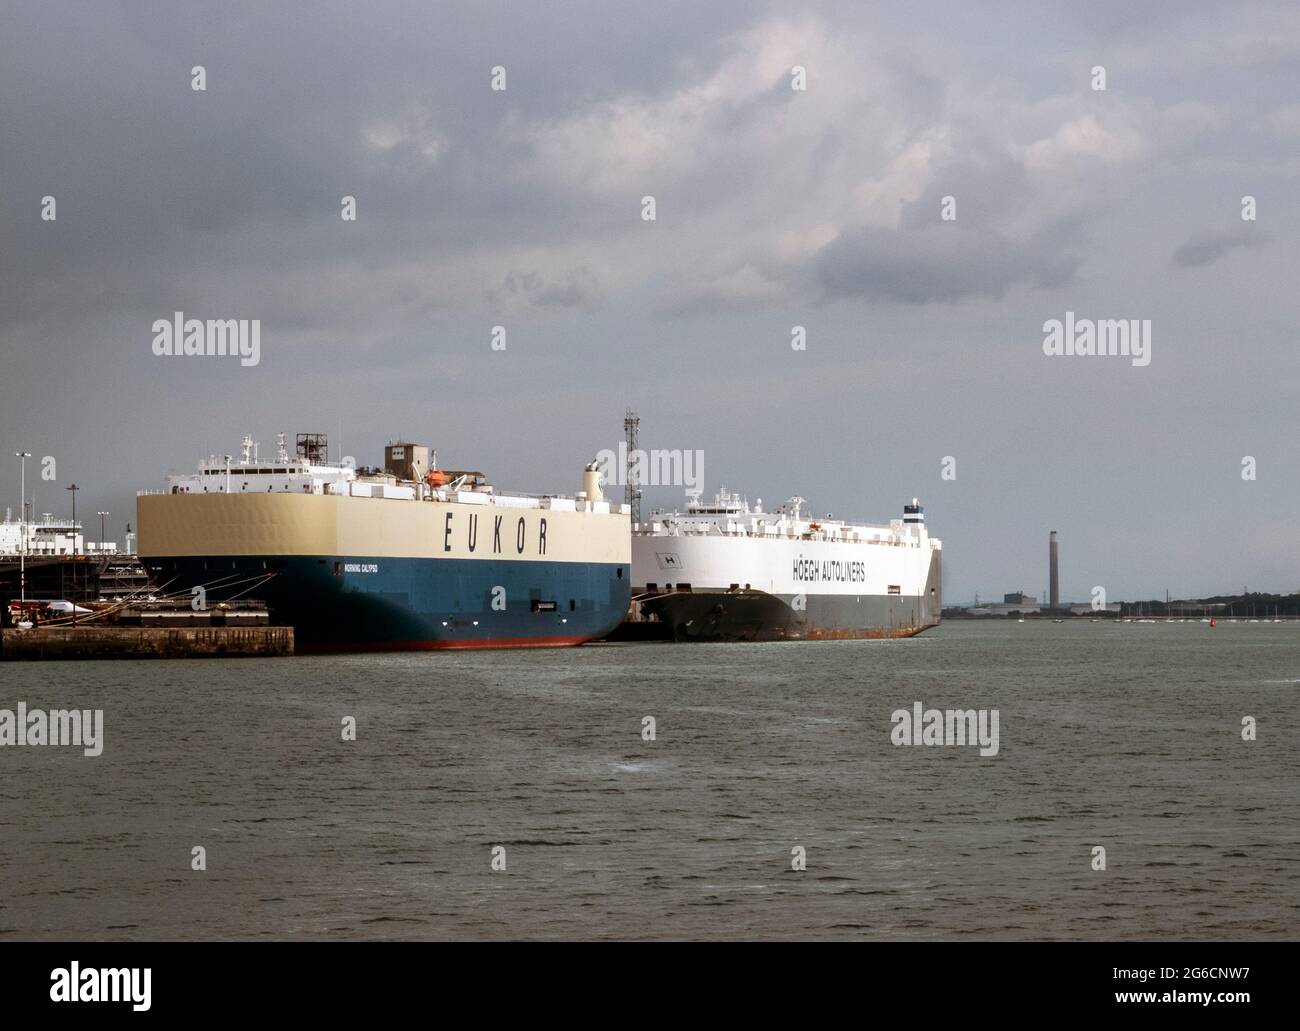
844 572
805 569
471 534
829 571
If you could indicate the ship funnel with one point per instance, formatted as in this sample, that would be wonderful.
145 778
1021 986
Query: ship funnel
591 482
914 513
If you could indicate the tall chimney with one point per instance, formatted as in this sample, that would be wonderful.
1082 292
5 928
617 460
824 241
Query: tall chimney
1053 575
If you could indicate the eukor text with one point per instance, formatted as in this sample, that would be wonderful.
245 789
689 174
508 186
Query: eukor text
506 534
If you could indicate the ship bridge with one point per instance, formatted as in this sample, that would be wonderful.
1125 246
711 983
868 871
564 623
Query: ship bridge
307 471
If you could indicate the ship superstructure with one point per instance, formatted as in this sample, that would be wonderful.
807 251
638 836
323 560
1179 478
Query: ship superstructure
404 556
46 536
723 570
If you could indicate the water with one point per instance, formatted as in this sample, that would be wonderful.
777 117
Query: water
1126 736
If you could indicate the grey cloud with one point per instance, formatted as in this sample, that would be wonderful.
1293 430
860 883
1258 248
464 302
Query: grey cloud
1207 248
991 246
577 288
990 187
940 263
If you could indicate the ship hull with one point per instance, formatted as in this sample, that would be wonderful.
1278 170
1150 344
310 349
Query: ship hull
756 616
413 604
447 576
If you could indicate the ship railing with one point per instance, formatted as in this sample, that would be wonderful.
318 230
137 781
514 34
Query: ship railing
712 530
522 499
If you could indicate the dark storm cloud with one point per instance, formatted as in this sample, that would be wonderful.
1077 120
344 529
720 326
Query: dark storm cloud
578 289
980 253
1207 248
304 105
941 263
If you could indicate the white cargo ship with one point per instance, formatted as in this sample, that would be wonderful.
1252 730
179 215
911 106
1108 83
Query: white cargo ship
723 571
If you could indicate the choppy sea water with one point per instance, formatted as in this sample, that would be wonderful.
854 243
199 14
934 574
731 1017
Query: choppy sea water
1126 736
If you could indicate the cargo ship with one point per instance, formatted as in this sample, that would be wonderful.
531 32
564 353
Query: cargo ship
723 571
409 556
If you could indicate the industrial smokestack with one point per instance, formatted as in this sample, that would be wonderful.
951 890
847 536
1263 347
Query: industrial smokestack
1053 575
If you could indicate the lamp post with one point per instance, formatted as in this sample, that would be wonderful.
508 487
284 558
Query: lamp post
102 517
74 488
22 531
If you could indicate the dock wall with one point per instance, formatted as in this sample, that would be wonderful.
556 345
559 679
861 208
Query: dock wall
144 642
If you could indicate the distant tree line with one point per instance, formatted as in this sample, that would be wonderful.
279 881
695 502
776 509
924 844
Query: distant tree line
1255 605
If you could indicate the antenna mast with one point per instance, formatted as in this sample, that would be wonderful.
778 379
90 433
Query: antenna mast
632 486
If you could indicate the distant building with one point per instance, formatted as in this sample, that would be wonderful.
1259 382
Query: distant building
1087 609
1010 605
1003 609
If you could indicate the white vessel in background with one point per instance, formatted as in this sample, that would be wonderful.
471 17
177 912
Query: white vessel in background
723 571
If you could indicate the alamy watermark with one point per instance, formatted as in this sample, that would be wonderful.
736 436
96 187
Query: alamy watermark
1130 338
74 983
949 727
199 338
654 468
78 728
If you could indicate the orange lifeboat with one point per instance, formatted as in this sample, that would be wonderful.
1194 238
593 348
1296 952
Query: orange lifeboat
435 478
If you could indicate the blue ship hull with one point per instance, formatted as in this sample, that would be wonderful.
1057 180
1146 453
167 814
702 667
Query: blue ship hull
358 603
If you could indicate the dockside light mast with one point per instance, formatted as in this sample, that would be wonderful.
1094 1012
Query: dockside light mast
632 486
22 529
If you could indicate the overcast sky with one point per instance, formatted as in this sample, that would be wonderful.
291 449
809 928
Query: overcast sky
775 208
